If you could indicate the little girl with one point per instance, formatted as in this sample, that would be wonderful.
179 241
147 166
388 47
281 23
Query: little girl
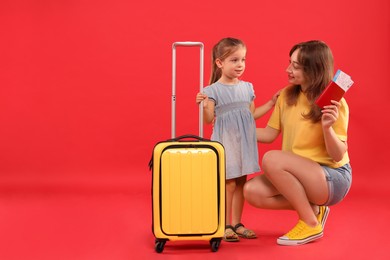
229 103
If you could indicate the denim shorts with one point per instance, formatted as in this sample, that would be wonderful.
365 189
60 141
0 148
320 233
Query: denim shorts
339 182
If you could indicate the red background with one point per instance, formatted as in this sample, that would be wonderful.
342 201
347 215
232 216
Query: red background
85 86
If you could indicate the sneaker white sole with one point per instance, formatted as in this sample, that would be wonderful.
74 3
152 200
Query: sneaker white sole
326 213
285 241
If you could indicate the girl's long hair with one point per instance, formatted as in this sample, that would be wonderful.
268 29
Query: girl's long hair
221 50
316 60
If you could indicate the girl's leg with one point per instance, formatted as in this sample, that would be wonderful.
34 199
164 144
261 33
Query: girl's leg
237 209
230 188
299 180
238 200
230 235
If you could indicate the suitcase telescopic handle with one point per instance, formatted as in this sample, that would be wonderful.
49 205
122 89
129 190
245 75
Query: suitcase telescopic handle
201 67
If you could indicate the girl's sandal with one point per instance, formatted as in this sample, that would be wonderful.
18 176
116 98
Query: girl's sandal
249 234
230 235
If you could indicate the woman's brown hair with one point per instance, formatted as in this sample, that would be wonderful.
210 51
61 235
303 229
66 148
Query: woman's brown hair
316 60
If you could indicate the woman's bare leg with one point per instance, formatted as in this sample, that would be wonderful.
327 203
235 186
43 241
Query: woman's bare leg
261 193
299 180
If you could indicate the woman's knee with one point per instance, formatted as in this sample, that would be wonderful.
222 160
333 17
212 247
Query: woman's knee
253 191
248 189
271 161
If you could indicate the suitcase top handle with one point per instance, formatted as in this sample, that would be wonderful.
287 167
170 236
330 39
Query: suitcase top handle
188 136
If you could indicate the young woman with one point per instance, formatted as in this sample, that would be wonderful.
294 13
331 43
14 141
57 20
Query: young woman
312 170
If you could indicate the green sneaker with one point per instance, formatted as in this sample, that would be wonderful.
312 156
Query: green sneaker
301 234
323 215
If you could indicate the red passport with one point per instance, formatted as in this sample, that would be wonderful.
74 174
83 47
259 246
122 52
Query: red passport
335 90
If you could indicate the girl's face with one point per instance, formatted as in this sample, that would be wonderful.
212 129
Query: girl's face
233 66
295 71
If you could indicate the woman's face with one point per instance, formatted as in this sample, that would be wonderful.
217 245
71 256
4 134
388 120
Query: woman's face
295 71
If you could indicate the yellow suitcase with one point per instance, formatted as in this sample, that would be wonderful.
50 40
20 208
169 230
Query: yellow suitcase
188 183
188 190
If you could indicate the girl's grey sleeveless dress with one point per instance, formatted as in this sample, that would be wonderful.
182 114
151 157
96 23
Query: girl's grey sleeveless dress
235 126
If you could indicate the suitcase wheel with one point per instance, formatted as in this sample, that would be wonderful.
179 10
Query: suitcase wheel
159 246
215 242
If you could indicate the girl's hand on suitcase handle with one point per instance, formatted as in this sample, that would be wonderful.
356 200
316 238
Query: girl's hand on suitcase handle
202 97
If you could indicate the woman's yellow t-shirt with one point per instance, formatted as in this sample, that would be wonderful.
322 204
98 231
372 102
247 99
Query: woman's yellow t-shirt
303 137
